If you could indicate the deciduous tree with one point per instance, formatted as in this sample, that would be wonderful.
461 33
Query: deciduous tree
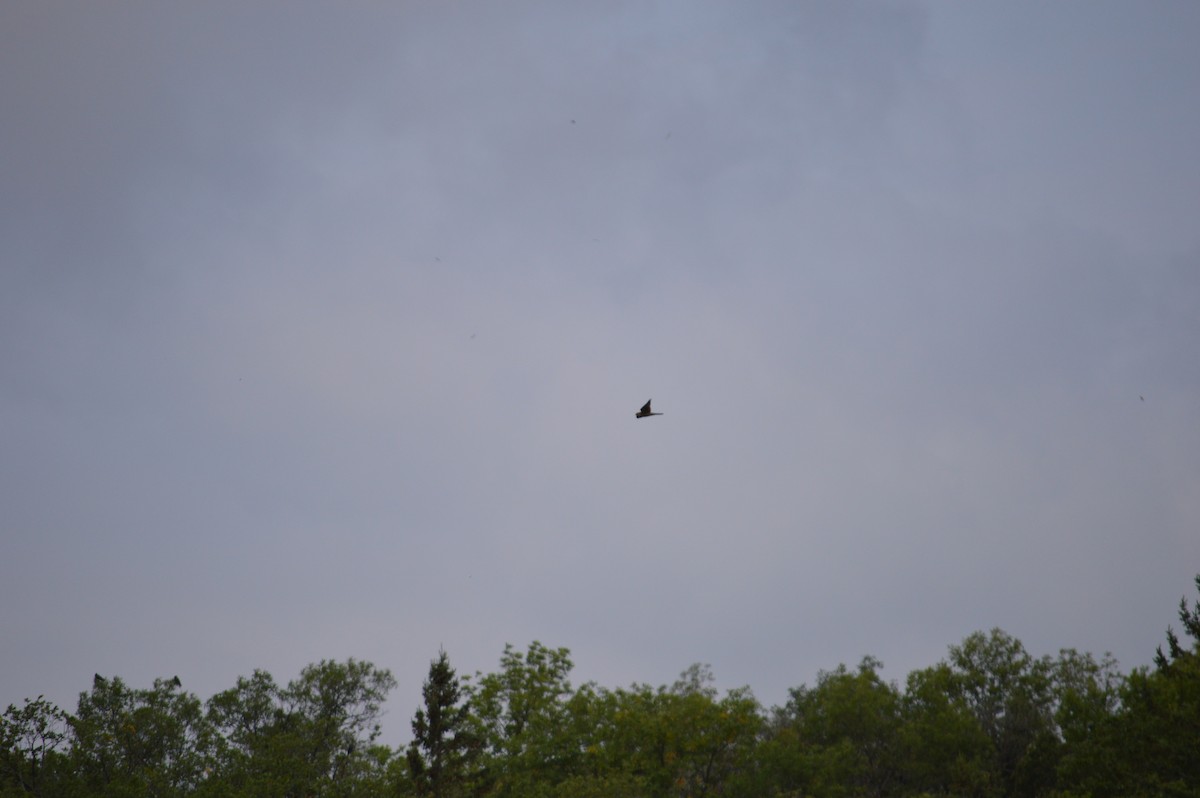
518 714
1010 693
153 742
32 739
313 737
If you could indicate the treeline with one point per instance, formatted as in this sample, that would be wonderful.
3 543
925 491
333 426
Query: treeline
989 720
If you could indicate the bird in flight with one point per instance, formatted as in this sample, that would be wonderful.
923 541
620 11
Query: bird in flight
645 411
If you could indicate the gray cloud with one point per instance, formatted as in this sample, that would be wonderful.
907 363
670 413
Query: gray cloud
321 335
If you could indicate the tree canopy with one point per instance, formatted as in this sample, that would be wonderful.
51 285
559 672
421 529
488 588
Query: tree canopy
990 720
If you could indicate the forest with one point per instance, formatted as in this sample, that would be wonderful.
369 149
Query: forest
988 720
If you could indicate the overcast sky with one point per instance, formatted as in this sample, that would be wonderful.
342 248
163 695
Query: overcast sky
323 327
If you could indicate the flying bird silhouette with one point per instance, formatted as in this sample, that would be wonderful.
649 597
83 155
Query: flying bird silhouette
645 411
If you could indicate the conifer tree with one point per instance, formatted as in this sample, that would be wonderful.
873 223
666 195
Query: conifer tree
440 754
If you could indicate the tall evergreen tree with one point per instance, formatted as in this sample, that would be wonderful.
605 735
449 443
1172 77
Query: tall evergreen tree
440 754
1158 730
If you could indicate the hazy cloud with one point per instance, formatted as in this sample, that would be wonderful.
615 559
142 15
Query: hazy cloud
322 332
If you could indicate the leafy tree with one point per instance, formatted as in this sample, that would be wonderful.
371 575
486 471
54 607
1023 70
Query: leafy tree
596 723
1086 697
517 715
103 730
250 718
313 737
30 741
780 766
629 738
708 739
1011 696
678 741
140 742
611 785
847 730
945 750
443 747
335 707
988 722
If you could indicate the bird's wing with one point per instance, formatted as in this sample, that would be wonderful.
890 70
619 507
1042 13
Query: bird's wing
646 407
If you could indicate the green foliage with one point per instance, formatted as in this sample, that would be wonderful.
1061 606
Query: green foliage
709 740
1151 745
945 749
333 709
990 721
682 741
1087 693
312 737
140 742
30 741
517 715
1011 695
443 748
845 732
